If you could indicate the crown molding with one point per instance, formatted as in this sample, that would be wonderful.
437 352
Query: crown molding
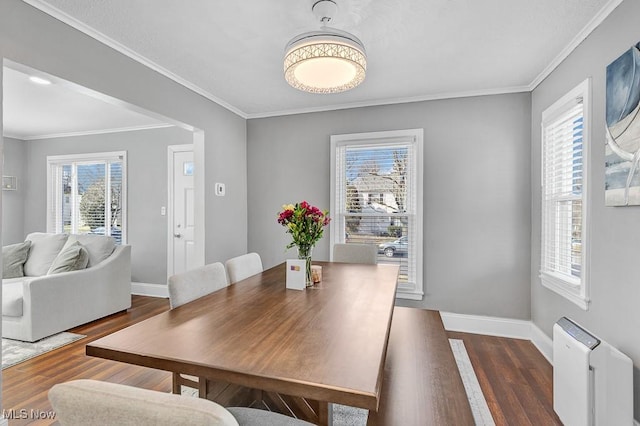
89 132
393 101
91 32
573 44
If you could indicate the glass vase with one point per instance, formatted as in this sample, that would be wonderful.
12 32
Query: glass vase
305 252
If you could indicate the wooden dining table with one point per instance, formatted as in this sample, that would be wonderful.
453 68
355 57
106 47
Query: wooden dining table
259 344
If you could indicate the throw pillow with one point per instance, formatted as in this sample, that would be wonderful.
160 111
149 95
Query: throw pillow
44 248
99 247
72 258
13 258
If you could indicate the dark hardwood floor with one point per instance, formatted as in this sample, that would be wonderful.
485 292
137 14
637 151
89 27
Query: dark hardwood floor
514 376
25 385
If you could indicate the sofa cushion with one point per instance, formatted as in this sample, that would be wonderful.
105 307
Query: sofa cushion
44 249
99 247
13 258
72 257
12 297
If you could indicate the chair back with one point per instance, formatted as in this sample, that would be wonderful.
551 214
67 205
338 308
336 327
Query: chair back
195 283
243 266
96 403
355 253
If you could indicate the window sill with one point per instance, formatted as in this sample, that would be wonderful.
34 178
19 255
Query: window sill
408 293
569 291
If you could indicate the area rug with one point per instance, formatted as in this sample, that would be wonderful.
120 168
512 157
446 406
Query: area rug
343 415
479 407
351 416
16 351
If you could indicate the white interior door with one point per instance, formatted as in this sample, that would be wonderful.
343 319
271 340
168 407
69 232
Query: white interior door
182 254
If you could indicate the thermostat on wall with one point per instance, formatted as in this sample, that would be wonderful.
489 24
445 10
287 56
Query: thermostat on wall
220 190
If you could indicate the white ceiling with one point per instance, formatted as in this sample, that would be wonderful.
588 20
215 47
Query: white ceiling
33 111
231 51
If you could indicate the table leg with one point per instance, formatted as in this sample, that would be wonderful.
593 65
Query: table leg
325 414
232 395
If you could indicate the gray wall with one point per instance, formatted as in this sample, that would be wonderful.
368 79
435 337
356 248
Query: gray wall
15 152
32 38
615 231
476 192
146 189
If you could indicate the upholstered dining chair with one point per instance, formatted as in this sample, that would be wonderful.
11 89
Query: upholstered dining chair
243 266
355 253
184 288
92 402
195 283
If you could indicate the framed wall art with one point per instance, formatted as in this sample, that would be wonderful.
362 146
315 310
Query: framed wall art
622 153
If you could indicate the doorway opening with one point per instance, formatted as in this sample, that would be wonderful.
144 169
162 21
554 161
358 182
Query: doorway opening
31 115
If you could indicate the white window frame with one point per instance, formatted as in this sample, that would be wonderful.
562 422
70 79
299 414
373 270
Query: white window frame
575 290
54 183
411 291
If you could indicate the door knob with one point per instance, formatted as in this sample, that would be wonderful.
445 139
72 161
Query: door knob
177 235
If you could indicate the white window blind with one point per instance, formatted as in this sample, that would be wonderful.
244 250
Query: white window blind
376 192
563 195
86 194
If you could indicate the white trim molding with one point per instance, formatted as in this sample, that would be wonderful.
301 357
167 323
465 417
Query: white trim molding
500 327
172 150
148 289
490 326
553 274
542 342
573 44
119 47
394 101
92 132
55 164
503 327
412 140
561 287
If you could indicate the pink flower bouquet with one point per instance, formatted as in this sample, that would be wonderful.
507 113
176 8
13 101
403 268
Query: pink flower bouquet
305 223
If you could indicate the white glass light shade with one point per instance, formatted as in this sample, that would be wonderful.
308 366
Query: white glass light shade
328 61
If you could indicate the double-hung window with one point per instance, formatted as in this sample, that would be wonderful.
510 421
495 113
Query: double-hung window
376 198
86 194
565 141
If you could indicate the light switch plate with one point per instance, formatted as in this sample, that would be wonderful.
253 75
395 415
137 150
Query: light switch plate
220 189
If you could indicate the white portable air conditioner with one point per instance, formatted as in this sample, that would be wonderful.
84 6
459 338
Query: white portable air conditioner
592 380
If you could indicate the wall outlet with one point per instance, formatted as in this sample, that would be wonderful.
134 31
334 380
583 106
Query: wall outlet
220 189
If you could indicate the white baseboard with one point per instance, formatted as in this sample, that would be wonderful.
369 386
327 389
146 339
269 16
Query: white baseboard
148 289
501 327
543 342
491 326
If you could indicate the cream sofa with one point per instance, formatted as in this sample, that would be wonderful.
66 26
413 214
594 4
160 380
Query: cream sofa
46 301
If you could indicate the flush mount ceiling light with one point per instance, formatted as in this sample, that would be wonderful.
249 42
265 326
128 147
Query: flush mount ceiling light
325 61
39 80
